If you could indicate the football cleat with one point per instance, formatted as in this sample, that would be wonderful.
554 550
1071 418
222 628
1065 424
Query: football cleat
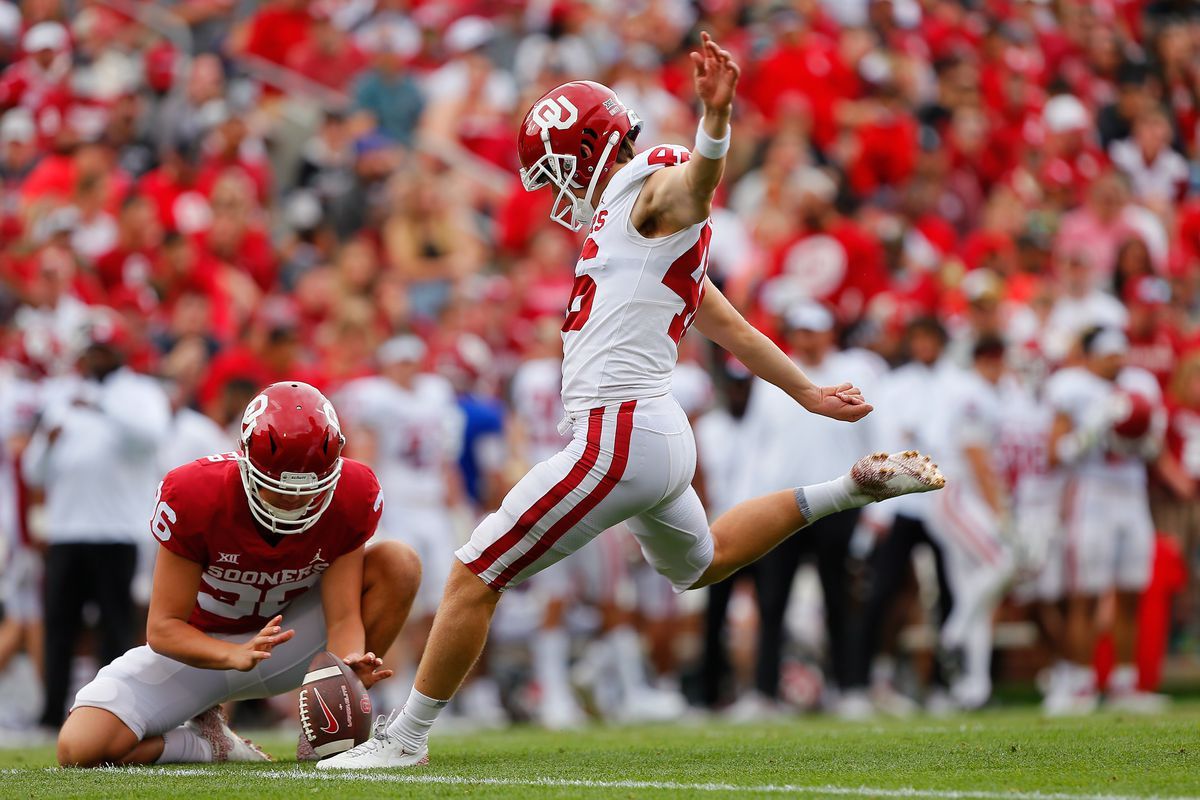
1070 704
881 476
1137 702
382 751
226 745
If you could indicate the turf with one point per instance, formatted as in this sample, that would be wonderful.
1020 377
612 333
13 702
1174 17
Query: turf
996 754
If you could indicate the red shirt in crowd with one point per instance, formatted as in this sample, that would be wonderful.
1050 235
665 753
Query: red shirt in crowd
842 266
276 30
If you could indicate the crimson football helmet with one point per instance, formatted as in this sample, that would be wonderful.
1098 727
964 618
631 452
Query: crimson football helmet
291 444
571 135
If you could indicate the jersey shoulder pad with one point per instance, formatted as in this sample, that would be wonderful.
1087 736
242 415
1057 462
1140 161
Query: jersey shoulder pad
187 500
645 163
357 503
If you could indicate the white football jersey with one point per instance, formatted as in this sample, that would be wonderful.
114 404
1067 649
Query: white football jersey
1024 449
970 417
633 298
537 404
418 432
1082 395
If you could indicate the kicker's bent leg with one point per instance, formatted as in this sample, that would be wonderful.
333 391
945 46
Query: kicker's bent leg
750 530
92 737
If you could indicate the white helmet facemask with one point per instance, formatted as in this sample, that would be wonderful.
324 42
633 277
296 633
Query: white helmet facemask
317 490
554 169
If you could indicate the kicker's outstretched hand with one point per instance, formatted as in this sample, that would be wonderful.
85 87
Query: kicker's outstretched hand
716 76
844 402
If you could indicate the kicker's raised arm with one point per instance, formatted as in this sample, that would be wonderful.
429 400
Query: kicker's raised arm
676 198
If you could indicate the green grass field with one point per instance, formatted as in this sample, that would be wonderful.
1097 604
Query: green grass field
996 754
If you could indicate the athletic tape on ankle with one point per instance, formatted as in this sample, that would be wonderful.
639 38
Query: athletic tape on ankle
802 503
709 147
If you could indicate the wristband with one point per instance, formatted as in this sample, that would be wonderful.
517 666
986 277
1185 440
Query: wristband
707 146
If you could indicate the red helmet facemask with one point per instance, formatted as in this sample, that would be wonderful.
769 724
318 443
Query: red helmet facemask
571 136
290 445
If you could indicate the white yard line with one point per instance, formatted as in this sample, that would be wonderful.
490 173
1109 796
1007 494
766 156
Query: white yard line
419 779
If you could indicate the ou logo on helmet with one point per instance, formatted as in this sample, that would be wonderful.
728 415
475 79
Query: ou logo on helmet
258 407
553 112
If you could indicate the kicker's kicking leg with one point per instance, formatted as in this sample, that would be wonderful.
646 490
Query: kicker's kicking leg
750 530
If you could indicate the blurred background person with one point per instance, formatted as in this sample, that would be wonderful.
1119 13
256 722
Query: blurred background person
1110 535
94 456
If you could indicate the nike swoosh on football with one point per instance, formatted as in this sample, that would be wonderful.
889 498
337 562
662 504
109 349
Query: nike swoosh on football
329 718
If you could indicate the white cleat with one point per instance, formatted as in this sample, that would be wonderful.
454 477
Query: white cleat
226 745
854 706
382 751
651 705
561 715
1137 702
881 476
1070 704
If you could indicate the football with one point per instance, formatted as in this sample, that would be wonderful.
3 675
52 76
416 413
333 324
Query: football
335 709
1135 414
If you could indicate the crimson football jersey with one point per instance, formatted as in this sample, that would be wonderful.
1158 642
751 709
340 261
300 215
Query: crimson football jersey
202 515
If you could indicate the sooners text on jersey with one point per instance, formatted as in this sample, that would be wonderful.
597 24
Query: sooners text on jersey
202 515
633 298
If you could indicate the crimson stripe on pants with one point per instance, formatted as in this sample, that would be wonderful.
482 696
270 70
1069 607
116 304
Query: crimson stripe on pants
616 469
547 501
980 541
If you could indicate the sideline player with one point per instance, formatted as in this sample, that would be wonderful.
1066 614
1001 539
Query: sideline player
640 283
970 518
406 424
276 530
1110 535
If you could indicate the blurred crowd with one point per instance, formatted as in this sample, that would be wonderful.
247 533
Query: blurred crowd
952 202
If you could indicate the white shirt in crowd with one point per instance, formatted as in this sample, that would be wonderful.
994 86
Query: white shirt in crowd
724 452
692 388
192 435
100 473
1159 180
1072 316
906 407
793 447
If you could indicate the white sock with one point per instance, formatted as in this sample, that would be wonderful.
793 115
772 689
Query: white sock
1123 679
415 720
551 651
626 649
823 499
183 745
